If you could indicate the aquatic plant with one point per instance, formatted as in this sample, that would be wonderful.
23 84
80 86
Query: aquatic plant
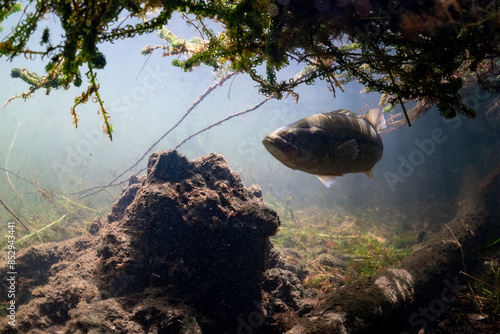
356 239
44 214
406 50
374 254
490 290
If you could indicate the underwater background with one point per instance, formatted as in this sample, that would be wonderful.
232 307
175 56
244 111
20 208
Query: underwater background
145 96
414 186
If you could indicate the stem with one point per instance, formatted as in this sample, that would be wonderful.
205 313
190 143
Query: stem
109 128
40 230
188 111
399 97
7 163
13 215
395 85
223 120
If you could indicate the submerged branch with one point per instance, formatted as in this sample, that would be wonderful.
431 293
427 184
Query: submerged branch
97 189
224 120
113 183
188 111
14 215
22 178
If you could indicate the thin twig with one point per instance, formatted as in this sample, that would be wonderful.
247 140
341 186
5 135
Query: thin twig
143 66
459 245
229 90
7 164
22 178
98 189
463 263
188 111
477 279
223 120
13 215
398 96
190 22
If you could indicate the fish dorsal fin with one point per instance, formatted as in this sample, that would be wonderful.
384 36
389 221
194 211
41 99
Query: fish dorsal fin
327 180
376 118
348 149
343 112
369 172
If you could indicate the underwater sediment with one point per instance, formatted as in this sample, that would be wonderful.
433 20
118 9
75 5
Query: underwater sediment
407 297
183 251
186 249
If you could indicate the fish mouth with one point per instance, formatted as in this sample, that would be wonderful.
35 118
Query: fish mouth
280 148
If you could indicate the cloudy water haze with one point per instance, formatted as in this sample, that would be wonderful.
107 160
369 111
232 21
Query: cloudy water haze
55 177
145 96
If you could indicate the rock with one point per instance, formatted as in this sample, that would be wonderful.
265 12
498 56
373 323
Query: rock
287 292
332 261
204 236
95 226
127 196
183 251
168 166
255 190
286 298
287 259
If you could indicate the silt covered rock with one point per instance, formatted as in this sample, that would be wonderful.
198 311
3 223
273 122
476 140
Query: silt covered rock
194 228
183 251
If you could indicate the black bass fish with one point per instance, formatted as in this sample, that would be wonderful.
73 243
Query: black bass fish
330 144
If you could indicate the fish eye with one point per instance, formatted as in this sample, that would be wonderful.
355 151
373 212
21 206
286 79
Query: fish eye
291 136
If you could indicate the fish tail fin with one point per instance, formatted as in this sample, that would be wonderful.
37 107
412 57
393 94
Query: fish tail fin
376 118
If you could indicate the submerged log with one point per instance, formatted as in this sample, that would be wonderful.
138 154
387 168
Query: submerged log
406 298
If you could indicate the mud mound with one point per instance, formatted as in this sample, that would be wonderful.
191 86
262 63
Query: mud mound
186 249
183 251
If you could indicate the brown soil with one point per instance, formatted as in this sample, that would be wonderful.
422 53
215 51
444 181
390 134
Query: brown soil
186 250
183 251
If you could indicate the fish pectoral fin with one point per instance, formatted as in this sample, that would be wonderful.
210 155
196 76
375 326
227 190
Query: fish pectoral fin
369 172
327 180
348 149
